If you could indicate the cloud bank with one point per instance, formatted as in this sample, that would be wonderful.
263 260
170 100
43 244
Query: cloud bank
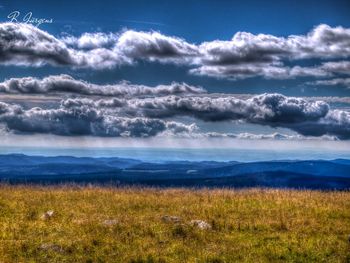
309 118
152 116
245 55
67 84
83 121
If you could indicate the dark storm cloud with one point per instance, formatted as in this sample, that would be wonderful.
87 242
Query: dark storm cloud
83 121
312 118
144 117
269 108
336 122
245 55
65 83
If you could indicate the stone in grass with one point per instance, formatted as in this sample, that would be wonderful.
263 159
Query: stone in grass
47 215
171 219
200 224
110 222
51 247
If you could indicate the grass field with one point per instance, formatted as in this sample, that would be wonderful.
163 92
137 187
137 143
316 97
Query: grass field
94 224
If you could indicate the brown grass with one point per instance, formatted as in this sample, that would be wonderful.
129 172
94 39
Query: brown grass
93 224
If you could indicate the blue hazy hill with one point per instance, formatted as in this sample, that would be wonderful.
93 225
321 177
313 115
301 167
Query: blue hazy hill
311 174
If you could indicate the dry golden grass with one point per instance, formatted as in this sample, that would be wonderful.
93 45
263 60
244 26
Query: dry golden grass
93 224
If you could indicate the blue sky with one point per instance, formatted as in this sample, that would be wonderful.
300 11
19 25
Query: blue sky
174 71
194 21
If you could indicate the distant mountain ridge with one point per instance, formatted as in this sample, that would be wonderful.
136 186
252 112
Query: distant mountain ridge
310 174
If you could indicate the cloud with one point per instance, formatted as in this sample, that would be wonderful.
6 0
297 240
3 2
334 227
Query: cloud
331 82
273 136
26 45
155 46
248 55
322 42
67 84
145 117
336 122
91 40
245 55
244 71
309 118
340 67
152 46
263 108
22 44
84 121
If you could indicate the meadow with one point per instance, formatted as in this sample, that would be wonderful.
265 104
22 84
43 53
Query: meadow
105 224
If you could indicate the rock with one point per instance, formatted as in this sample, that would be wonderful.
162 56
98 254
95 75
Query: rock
47 215
200 224
172 219
53 247
110 222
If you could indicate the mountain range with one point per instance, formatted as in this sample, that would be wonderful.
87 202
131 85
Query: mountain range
306 174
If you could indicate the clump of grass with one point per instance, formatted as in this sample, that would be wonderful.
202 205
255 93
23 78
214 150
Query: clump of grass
95 224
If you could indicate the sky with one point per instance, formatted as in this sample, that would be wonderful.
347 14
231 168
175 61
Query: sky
167 73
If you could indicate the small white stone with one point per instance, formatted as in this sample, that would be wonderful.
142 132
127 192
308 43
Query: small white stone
200 224
174 219
53 247
110 222
47 215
